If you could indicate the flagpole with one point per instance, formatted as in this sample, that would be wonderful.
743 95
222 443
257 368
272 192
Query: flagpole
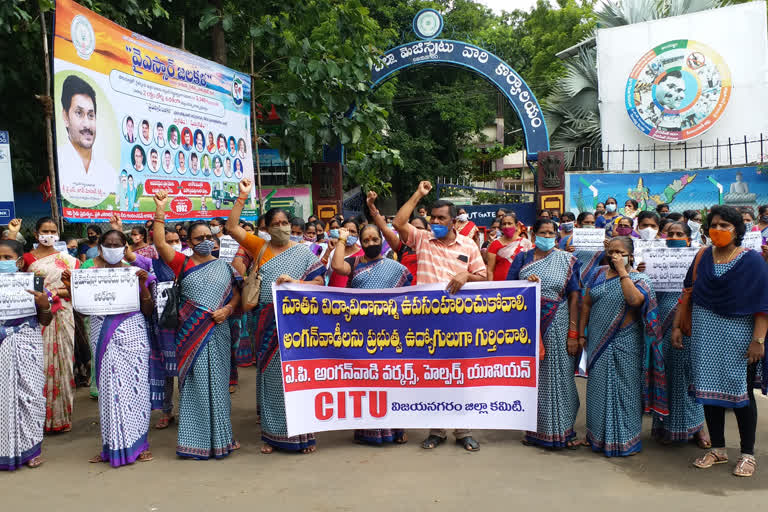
47 102
255 137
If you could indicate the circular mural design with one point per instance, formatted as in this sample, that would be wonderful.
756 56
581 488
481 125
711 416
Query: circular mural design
678 90
428 23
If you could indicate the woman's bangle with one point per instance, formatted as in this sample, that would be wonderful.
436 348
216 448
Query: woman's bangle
625 277
573 334
161 221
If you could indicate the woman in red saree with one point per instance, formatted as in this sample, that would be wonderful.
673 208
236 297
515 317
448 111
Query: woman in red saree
466 227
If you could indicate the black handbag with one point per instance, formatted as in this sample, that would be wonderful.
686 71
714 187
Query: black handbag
170 317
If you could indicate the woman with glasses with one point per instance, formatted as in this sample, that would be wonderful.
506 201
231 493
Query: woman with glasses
209 296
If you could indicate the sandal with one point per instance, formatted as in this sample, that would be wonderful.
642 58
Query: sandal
574 444
469 444
746 466
36 462
97 459
164 422
232 389
711 458
402 439
309 449
432 442
266 449
145 456
235 446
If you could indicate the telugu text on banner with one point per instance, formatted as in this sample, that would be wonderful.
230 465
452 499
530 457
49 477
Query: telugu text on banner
409 357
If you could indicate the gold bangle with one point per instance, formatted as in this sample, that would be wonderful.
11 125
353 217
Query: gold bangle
761 341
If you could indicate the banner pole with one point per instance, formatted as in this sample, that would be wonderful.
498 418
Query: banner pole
255 137
47 101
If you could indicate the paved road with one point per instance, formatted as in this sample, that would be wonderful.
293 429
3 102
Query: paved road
343 476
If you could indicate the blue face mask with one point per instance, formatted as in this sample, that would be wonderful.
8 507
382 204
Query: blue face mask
204 248
545 244
677 243
334 233
351 240
72 252
8 266
439 230
567 226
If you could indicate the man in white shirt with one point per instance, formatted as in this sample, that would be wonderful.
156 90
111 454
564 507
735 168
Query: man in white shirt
86 179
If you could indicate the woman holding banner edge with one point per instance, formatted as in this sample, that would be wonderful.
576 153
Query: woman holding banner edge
558 273
278 261
121 354
209 296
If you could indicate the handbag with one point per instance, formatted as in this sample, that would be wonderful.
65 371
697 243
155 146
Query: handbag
686 300
252 285
170 317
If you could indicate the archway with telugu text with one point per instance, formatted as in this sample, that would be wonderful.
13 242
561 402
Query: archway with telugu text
428 25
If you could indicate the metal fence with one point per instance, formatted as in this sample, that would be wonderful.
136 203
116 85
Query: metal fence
660 156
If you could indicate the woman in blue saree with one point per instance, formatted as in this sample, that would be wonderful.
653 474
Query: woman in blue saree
372 271
686 417
22 402
121 347
729 320
209 296
281 261
589 260
625 364
558 273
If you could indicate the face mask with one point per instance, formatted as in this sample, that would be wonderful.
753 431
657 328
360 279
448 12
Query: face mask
296 238
648 233
204 248
764 219
588 226
176 247
664 215
439 230
599 212
372 251
8 266
749 226
310 238
695 226
720 238
264 235
334 233
463 217
72 252
545 244
280 235
567 226
351 240
93 238
112 255
623 231
509 232
610 208
215 230
676 244
48 240
215 253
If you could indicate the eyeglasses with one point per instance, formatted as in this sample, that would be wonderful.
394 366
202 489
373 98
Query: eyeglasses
199 239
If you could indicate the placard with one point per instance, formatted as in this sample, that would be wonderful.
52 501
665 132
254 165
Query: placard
105 291
15 301
228 247
753 240
668 266
588 239
152 118
412 357
7 205
162 299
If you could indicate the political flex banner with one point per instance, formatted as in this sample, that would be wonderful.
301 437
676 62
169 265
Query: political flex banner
134 116
409 357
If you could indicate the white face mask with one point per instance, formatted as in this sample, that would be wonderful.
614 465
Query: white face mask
176 247
695 226
264 235
463 217
47 240
112 255
648 233
215 230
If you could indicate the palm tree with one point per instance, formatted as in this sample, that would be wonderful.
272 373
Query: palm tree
571 111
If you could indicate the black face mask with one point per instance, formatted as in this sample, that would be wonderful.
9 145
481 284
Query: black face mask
93 238
215 254
372 251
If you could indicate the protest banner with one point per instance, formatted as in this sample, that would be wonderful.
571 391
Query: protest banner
667 266
15 301
7 204
588 239
753 240
228 247
412 357
105 291
134 116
